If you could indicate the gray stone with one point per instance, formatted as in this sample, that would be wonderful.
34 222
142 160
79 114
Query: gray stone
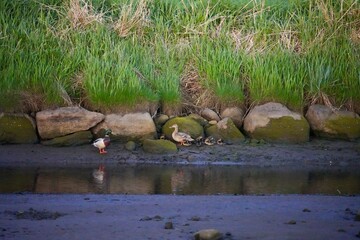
159 146
73 139
338 124
209 115
235 113
65 120
17 128
273 122
208 234
131 126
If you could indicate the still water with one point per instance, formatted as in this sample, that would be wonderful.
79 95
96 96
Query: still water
181 180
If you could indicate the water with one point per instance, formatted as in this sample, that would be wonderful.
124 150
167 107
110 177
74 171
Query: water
201 180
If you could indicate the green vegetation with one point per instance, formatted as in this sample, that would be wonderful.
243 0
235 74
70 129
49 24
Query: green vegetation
104 54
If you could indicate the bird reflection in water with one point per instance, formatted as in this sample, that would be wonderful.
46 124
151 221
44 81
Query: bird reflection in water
179 180
98 177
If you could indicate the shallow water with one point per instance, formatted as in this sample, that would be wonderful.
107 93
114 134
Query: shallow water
201 180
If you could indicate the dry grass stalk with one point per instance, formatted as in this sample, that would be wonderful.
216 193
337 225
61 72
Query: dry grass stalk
195 96
131 21
290 40
82 14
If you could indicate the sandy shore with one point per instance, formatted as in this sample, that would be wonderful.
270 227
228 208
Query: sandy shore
145 216
38 216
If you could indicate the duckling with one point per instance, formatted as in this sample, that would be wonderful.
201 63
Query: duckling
199 141
220 141
181 137
210 141
98 174
102 143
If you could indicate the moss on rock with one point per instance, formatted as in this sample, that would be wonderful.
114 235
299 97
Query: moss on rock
74 139
159 146
284 129
226 130
186 124
342 127
17 128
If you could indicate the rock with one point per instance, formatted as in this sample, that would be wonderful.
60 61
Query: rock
159 146
169 225
17 128
65 120
131 126
273 122
225 130
74 139
235 113
202 121
186 124
209 115
130 146
333 124
208 234
160 121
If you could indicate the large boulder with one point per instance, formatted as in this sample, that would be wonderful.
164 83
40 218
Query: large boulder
65 120
17 128
186 124
273 122
159 146
73 139
327 123
131 126
225 130
235 113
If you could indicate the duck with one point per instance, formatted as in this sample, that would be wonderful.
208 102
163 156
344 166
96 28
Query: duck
102 143
181 137
210 141
98 174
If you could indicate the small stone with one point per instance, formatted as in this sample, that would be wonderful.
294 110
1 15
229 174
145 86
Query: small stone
358 235
357 216
130 146
306 210
146 218
169 225
208 234
209 114
195 218
291 222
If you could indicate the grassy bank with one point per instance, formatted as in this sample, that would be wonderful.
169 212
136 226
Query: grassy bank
186 55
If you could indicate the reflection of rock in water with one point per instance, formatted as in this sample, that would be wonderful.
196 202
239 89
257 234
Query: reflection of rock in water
179 180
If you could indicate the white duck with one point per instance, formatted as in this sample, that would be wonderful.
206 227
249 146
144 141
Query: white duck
102 143
181 137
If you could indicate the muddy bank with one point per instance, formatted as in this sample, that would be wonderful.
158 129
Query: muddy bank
146 216
316 153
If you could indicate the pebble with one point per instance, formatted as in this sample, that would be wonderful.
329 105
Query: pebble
169 225
208 234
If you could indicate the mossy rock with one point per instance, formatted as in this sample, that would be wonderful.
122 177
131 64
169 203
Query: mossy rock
159 146
17 128
226 130
186 124
74 139
283 130
341 127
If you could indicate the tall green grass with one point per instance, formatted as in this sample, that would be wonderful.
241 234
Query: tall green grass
111 53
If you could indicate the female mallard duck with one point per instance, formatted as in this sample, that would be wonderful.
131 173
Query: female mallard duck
98 174
181 137
102 143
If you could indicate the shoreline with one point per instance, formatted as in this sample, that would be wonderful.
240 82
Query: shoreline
317 153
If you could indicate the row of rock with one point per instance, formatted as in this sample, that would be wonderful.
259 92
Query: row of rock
271 122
